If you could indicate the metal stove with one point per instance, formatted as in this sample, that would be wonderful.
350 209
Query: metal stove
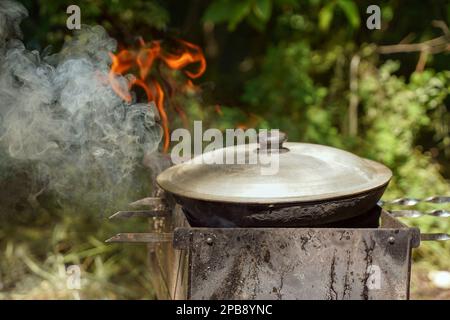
353 260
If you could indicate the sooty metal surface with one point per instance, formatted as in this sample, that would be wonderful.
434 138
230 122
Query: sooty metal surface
299 263
218 214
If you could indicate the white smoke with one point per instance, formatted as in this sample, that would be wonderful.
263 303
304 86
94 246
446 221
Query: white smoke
60 112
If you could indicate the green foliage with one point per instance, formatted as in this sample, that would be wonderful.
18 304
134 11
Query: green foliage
277 96
347 6
233 12
263 9
396 111
138 17
351 12
326 16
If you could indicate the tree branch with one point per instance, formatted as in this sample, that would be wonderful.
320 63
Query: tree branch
436 45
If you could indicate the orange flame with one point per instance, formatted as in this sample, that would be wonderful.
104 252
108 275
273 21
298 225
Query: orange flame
143 60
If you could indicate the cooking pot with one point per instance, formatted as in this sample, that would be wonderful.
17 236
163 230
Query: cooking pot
307 185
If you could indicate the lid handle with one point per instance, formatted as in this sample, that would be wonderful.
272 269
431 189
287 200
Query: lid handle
271 140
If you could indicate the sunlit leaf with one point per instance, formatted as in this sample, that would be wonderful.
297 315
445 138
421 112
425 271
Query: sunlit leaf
351 12
326 16
229 11
263 9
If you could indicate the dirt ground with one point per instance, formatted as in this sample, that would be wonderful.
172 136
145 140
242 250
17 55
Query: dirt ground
422 287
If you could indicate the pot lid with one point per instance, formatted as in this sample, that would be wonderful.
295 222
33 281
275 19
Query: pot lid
282 173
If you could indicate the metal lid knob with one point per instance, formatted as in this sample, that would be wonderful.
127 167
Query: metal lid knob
272 140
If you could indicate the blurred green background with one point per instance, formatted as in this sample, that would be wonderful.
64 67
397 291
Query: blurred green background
311 68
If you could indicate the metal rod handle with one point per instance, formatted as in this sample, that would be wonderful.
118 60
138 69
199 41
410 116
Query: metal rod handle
434 237
141 237
138 214
413 201
416 213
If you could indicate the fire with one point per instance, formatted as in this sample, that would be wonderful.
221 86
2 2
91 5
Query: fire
143 60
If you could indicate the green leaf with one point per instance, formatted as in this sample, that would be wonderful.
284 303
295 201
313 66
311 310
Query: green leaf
263 9
239 11
231 11
218 11
351 12
256 23
325 16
